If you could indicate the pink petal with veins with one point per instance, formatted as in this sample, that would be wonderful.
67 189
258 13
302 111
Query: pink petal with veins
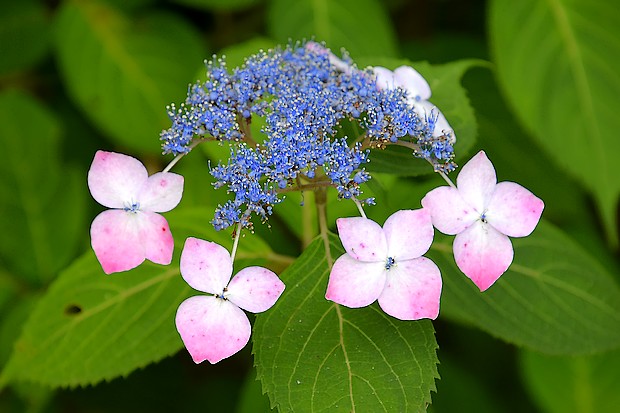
362 238
408 78
116 240
354 283
409 233
205 265
255 289
412 290
212 328
449 212
156 237
476 181
161 192
483 254
513 210
115 179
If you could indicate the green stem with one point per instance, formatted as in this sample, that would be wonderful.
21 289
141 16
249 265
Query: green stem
321 206
309 230
313 186
177 158
235 242
246 131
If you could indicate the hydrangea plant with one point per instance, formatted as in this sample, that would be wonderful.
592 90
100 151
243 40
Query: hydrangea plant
337 232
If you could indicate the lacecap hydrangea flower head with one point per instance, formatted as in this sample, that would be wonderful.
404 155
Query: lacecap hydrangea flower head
305 93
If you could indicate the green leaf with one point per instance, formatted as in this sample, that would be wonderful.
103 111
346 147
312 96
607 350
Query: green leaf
13 318
573 384
554 298
251 398
461 390
219 5
557 62
237 53
24 34
362 27
313 355
450 97
42 200
517 157
91 327
123 73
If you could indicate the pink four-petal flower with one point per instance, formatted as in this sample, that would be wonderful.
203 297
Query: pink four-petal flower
132 231
386 264
213 327
483 214
418 93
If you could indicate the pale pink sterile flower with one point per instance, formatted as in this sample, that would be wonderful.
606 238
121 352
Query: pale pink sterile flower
418 94
132 231
213 327
483 214
386 264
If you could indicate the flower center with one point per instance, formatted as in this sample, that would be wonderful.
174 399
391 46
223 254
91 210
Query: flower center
483 217
223 295
389 263
134 207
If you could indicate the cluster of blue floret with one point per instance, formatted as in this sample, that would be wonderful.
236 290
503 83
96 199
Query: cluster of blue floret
303 99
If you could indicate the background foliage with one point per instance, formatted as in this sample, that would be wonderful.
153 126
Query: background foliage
533 83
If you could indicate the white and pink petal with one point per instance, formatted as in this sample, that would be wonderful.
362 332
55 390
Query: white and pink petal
255 289
116 239
384 78
362 238
513 210
476 181
412 290
205 266
450 213
354 283
409 79
156 237
426 110
409 233
212 328
115 179
161 192
483 254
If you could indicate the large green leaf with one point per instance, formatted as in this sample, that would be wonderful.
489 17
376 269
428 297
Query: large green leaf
554 298
462 390
42 199
517 157
24 34
557 61
450 97
223 5
251 397
573 384
91 327
313 355
123 73
362 27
